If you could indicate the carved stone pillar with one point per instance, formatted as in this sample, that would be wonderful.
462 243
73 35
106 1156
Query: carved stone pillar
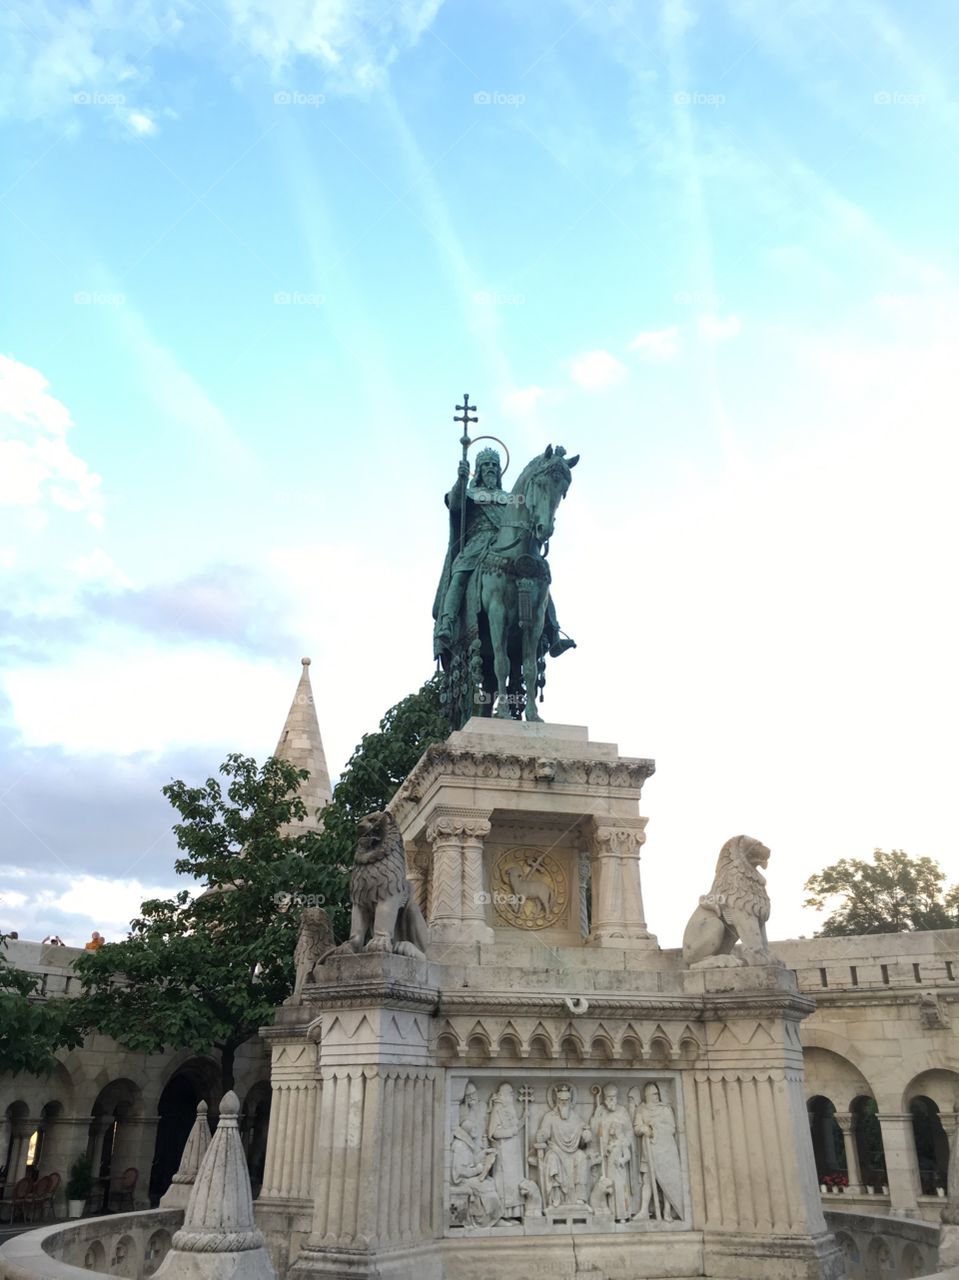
584 892
417 871
618 917
847 1125
288 1169
475 894
902 1163
458 892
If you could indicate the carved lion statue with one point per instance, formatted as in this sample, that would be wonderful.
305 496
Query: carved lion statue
313 945
735 910
383 905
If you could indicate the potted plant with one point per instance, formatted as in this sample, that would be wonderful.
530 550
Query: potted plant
79 1186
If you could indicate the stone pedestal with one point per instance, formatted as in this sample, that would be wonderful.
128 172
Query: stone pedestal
547 1094
375 1186
496 821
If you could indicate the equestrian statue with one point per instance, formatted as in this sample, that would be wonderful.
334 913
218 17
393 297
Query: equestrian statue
495 621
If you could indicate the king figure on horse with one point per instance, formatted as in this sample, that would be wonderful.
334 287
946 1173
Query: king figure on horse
494 616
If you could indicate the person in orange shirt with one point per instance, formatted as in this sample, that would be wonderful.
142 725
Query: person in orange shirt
95 943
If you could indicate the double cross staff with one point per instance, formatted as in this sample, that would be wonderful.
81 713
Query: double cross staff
468 417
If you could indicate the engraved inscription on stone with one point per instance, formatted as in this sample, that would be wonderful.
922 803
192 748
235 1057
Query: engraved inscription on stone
530 888
571 1152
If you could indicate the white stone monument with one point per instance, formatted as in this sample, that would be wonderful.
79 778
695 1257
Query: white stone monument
546 1093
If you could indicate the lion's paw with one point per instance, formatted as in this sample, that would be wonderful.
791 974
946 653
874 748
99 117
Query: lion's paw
408 949
379 942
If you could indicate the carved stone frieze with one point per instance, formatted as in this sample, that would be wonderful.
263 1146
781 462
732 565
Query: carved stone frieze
552 1153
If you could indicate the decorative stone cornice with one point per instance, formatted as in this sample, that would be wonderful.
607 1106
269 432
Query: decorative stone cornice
390 993
642 1005
441 759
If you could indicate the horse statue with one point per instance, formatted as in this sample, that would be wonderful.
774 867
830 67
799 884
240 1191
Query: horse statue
495 619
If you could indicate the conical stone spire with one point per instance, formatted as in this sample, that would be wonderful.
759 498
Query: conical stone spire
178 1193
300 743
219 1239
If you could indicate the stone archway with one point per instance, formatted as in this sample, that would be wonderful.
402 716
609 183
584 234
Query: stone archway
827 1140
114 1139
195 1080
870 1149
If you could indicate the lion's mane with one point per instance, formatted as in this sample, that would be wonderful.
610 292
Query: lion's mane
738 882
380 862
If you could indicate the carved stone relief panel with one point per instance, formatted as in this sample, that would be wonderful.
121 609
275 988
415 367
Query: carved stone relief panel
543 1152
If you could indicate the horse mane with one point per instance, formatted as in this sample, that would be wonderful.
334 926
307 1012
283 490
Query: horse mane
537 464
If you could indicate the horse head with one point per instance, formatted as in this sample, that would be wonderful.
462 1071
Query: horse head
543 485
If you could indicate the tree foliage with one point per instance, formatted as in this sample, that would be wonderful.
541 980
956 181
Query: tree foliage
375 771
205 970
892 894
31 1026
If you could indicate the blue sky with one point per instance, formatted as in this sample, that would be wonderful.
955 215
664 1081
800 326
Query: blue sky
253 254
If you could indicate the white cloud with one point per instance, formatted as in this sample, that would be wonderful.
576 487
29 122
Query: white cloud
124 699
522 400
37 465
142 123
719 328
354 41
657 345
597 370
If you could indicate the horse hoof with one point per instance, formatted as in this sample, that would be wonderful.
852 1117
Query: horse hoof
534 717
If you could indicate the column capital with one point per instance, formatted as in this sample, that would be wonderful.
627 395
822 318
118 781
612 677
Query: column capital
845 1120
453 825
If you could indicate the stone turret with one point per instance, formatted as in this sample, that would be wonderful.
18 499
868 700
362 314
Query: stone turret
219 1239
178 1193
300 743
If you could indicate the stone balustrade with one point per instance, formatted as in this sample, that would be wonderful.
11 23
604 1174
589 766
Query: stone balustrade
120 1244
875 1246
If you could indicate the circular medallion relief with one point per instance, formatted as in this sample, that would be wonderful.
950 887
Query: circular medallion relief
530 888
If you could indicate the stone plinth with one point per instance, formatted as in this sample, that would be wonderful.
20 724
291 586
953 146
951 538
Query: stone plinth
499 821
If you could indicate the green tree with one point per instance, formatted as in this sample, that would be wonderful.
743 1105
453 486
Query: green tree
205 970
376 769
32 1027
892 894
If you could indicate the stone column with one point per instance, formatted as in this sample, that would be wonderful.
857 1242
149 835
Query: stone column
457 908
475 891
584 893
949 1231
902 1163
133 1147
288 1171
417 864
66 1140
847 1124
619 919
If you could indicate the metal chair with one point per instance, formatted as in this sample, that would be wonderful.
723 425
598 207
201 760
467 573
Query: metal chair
121 1193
